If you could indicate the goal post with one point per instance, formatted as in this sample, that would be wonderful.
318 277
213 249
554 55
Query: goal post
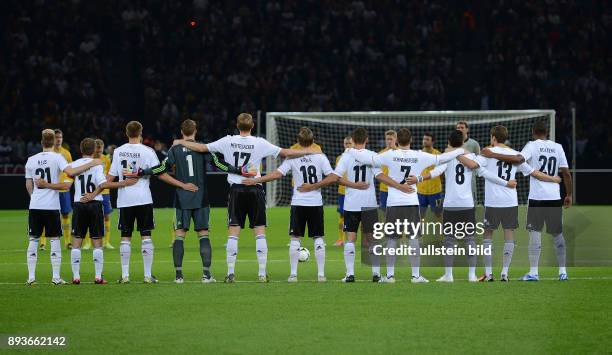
330 128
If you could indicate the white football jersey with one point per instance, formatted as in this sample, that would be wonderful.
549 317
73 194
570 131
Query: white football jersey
355 200
48 166
133 157
307 169
546 156
497 195
401 164
242 151
457 182
87 181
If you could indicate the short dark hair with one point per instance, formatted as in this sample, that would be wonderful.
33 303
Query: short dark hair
540 128
305 137
455 139
58 131
359 135
88 146
133 129
500 133
404 137
429 134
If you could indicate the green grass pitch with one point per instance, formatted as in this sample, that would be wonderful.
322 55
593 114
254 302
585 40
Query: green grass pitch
307 317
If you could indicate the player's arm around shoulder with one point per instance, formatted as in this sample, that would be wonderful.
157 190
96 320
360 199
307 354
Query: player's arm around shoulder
71 171
368 157
442 158
469 160
515 159
195 146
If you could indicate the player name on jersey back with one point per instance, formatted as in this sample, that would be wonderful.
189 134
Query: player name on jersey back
308 169
133 157
497 195
355 200
243 150
548 157
87 181
47 166
401 163
190 167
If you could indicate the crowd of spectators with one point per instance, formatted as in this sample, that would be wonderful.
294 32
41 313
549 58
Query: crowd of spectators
210 60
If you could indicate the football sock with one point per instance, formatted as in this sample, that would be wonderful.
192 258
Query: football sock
32 257
56 257
75 261
261 248
449 243
488 255
205 254
471 258
535 248
125 250
294 251
319 246
147 256
559 241
43 240
107 231
508 251
349 257
177 255
231 250
391 244
415 260
66 229
98 259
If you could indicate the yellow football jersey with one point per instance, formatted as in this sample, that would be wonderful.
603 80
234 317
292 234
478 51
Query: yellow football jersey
66 154
385 170
107 163
341 188
314 145
431 186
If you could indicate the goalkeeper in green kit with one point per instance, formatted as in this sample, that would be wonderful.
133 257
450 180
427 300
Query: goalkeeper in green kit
190 167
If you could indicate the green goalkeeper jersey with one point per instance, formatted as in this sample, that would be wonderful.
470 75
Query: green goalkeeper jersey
190 167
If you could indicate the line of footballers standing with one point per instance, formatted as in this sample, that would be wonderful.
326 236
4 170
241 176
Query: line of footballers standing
399 168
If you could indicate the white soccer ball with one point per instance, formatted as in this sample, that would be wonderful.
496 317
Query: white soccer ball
303 254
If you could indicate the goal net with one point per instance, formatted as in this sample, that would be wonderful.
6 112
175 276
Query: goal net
330 128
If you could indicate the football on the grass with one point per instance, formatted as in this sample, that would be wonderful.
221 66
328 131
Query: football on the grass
303 254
